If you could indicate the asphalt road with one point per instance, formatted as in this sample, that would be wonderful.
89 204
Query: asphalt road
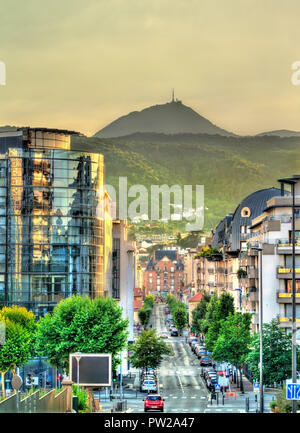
179 378
180 383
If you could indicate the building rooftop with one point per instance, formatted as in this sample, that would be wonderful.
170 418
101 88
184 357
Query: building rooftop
196 298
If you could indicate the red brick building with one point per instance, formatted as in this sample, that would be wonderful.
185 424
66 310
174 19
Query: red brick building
164 273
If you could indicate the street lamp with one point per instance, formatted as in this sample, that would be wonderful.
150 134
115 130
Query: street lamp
240 296
261 384
292 181
78 357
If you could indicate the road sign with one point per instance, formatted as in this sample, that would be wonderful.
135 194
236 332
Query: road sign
217 387
293 391
256 386
16 382
93 369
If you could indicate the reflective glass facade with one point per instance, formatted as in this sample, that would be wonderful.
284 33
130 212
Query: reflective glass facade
51 235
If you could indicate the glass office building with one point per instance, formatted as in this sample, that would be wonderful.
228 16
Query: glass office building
51 233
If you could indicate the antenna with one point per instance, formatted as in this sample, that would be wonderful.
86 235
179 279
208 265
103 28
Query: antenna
173 99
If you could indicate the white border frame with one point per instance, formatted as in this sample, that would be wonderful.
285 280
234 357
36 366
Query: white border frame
98 355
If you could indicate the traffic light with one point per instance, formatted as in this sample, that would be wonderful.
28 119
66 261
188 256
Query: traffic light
114 375
40 380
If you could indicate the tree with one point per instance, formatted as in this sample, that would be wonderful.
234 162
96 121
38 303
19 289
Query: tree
208 320
220 310
16 350
81 324
233 341
20 331
180 318
199 312
148 350
23 317
144 316
149 301
277 354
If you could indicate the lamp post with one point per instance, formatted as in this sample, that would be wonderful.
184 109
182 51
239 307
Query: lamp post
292 181
78 357
261 384
240 296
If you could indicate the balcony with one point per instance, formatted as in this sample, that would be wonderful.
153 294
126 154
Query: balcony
210 270
253 296
287 273
286 322
252 252
285 247
255 319
286 298
253 273
220 270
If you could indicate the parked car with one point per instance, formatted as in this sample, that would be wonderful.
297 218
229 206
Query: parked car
174 332
193 345
205 360
211 382
148 377
163 335
148 372
209 371
191 339
153 402
148 385
200 353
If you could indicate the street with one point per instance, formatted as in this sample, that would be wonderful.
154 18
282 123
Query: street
180 383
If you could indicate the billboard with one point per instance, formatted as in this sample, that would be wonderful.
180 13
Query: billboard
93 369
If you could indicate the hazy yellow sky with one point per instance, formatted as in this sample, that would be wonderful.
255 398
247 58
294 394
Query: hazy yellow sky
80 64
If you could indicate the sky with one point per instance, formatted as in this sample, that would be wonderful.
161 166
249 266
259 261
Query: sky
80 64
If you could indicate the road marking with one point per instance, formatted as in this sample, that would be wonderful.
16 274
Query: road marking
180 383
193 397
175 397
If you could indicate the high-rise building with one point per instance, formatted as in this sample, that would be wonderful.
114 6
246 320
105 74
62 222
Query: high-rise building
51 235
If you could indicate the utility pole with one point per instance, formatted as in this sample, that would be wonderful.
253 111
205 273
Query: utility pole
261 382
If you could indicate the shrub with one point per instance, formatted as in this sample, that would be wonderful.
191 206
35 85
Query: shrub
273 404
82 397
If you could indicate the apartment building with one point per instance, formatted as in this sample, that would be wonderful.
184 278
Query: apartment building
272 231
165 273
231 239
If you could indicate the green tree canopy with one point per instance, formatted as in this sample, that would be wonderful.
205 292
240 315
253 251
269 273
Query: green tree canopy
234 339
16 350
180 317
277 354
218 310
199 312
144 316
81 324
148 351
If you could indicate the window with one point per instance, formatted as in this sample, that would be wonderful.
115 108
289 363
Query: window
245 212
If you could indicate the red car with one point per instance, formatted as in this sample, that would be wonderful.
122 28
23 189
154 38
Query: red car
154 402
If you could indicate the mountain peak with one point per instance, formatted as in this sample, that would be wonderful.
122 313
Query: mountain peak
170 118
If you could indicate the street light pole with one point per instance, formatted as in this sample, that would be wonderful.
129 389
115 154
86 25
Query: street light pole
261 384
260 288
78 357
294 329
